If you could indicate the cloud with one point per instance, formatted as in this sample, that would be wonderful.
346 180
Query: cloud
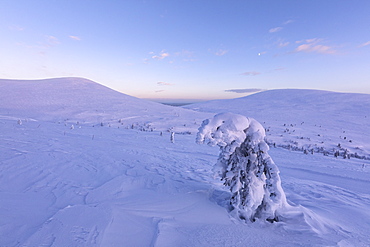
322 49
161 56
280 68
42 46
51 40
276 29
185 53
312 45
221 52
161 83
288 22
314 40
246 90
189 60
283 44
74 37
251 73
16 28
364 44
159 91
146 60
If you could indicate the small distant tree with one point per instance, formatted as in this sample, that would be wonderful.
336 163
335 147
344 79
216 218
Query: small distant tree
172 138
245 166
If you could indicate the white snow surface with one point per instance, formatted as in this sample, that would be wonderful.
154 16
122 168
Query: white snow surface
123 183
311 120
78 100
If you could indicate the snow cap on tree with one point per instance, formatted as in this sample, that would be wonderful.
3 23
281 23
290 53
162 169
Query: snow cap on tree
229 130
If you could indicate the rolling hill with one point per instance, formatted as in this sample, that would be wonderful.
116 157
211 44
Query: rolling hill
306 120
80 100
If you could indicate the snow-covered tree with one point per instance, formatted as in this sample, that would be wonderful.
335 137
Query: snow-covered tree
172 137
245 166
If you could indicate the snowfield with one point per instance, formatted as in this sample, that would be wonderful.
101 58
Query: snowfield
83 165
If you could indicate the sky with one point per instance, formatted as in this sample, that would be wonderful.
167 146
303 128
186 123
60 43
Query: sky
190 49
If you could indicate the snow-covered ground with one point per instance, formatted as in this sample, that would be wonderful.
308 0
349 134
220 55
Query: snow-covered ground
68 180
81 101
306 120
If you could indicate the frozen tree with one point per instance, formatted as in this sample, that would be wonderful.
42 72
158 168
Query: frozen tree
245 166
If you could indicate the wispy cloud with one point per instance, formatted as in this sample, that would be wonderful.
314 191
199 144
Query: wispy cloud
161 56
74 37
42 46
283 44
323 49
16 28
364 44
51 40
161 83
276 29
246 90
185 56
314 40
280 68
251 73
221 52
159 91
288 22
184 53
314 46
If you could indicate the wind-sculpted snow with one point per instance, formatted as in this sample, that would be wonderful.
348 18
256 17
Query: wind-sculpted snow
105 186
82 183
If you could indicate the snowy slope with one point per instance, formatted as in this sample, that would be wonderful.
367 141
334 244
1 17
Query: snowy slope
116 187
80 100
306 120
107 186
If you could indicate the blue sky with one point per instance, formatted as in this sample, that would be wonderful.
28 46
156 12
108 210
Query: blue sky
190 49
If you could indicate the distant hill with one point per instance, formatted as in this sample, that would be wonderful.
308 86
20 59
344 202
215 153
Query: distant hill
270 104
78 99
309 120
